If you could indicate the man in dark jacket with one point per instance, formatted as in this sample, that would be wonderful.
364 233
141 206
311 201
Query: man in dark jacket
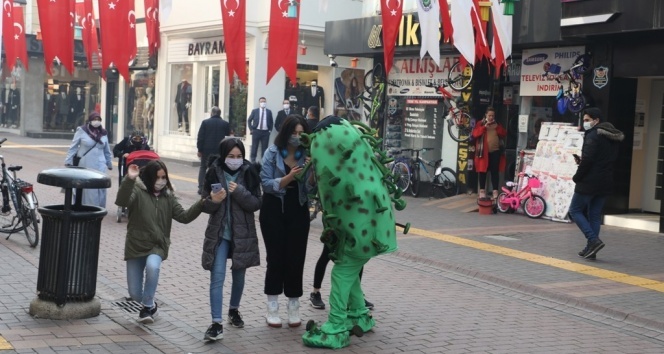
594 178
213 130
312 117
282 114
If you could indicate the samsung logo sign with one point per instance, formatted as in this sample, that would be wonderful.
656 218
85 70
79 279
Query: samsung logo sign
535 59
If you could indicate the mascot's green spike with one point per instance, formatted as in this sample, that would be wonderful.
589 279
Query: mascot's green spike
305 140
354 189
406 227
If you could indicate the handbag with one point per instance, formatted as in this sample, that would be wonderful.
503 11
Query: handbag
76 160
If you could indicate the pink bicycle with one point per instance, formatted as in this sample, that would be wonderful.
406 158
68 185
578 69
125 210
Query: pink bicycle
511 199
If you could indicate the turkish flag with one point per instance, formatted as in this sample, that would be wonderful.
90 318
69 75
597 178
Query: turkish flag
391 21
481 43
117 21
233 13
86 19
152 25
282 40
56 19
8 33
19 36
446 20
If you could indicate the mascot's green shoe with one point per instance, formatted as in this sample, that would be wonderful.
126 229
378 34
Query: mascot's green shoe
318 338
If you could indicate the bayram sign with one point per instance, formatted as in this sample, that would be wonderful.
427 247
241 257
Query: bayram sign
541 67
206 48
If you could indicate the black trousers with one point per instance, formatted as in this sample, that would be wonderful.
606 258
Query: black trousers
285 235
321 265
494 169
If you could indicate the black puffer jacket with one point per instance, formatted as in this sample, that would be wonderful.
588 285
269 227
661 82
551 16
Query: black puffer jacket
244 201
594 176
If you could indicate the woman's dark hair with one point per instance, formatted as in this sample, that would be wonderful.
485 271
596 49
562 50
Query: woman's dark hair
226 145
490 109
287 129
149 175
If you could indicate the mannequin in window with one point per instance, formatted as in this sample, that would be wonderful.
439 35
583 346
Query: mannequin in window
182 104
137 120
148 113
76 108
4 101
62 107
14 107
314 96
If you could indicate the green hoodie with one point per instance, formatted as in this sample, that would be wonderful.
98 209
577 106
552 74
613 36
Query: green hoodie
150 218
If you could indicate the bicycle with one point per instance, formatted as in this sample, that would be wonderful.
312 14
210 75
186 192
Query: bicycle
23 216
509 200
407 172
571 98
458 121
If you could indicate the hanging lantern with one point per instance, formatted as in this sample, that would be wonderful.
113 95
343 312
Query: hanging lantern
292 9
485 10
509 7
353 62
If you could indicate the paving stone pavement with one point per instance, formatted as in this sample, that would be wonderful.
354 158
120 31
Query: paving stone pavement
432 296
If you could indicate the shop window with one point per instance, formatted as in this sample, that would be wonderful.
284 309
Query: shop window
69 99
10 99
181 91
544 109
140 103
237 113
211 87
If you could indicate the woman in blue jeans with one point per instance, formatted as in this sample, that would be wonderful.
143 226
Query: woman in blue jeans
231 230
152 205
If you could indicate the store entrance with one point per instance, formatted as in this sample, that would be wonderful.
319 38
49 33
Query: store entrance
652 190
301 95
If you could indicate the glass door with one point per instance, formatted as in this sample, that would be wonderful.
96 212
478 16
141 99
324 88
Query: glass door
211 87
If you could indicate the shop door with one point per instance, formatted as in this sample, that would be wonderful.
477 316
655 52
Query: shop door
652 184
211 88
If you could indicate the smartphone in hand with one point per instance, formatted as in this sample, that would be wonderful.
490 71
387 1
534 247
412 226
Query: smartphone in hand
577 159
216 187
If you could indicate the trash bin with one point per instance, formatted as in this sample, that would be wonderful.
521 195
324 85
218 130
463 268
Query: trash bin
70 237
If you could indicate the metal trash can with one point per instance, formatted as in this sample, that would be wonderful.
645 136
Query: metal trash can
70 237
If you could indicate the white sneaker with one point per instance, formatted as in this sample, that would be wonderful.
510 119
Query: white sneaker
272 317
294 313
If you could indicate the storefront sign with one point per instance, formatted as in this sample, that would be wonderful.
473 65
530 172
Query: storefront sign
541 67
600 76
410 76
206 48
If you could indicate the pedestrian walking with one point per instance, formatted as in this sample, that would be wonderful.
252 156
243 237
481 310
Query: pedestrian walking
91 150
134 142
284 219
594 178
149 196
231 229
213 130
260 124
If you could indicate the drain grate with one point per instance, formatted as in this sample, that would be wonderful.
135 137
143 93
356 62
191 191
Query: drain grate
128 306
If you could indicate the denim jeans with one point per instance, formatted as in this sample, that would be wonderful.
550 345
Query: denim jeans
217 276
586 212
138 291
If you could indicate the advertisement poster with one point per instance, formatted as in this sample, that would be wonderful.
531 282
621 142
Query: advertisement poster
639 124
554 165
541 67
348 87
410 76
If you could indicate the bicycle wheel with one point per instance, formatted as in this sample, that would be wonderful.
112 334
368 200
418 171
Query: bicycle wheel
535 206
448 180
502 206
30 220
459 127
460 79
415 181
576 104
373 77
401 175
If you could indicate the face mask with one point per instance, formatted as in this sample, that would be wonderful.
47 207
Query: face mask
159 185
294 141
95 123
286 106
313 84
263 104
587 125
234 164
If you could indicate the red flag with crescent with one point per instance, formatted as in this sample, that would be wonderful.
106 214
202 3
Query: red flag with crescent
8 33
19 36
391 15
117 21
86 19
57 21
233 13
282 40
152 25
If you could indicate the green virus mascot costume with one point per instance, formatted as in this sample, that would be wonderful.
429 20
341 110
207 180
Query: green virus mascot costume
356 192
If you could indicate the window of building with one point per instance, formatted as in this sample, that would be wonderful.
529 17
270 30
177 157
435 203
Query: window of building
69 99
181 92
140 102
211 87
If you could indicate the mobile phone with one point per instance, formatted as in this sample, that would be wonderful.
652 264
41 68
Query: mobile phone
216 187
576 158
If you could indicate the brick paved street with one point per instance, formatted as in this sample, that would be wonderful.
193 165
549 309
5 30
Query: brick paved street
460 283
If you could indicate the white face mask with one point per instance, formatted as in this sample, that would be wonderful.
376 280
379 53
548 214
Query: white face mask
234 164
286 106
263 104
587 125
95 123
159 185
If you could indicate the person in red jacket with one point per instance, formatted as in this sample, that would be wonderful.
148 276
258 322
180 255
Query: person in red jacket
489 154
